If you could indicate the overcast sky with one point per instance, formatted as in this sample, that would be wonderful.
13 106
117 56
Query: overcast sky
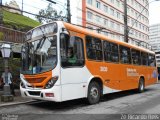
34 6
154 12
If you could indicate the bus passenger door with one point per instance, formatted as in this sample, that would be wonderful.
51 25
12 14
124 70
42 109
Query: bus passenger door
73 71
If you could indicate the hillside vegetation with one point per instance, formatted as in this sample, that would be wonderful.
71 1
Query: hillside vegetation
18 22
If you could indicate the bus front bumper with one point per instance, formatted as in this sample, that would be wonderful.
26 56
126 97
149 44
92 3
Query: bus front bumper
53 94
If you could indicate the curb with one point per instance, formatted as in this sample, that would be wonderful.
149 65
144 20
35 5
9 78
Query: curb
16 103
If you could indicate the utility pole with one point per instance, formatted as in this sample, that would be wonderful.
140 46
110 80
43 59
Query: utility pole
1 13
22 8
125 22
68 11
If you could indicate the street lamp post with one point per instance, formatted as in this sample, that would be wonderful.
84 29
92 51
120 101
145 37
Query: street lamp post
6 50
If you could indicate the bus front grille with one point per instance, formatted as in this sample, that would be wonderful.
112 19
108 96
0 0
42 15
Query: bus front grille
34 93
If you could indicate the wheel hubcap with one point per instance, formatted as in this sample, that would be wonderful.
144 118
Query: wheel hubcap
94 92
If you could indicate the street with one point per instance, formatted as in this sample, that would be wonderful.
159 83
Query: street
111 106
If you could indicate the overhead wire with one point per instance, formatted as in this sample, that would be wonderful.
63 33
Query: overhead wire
99 28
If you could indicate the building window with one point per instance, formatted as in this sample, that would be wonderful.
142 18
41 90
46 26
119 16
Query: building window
139 25
118 15
139 35
143 27
89 15
132 2
128 19
136 14
105 22
112 1
105 9
122 17
112 24
136 23
89 2
122 28
118 27
118 3
111 11
90 28
98 18
128 9
98 4
105 33
136 33
122 5
132 12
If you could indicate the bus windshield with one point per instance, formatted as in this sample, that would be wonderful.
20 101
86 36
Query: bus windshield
40 54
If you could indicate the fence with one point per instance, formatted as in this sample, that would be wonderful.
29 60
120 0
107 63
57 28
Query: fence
10 35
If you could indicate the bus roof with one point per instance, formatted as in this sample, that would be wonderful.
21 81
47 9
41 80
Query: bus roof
94 34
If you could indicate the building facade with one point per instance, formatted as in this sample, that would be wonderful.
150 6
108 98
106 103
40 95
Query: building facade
107 17
154 40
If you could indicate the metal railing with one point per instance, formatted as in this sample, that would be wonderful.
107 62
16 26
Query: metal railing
11 35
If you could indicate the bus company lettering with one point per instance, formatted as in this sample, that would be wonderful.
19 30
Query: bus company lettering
103 69
132 72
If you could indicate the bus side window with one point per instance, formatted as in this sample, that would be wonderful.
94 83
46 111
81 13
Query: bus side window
72 53
125 55
144 58
110 51
136 57
152 61
94 48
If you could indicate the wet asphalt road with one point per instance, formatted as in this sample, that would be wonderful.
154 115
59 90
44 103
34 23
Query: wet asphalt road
123 105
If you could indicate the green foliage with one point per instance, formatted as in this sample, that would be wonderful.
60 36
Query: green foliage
18 21
14 67
48 14
1 36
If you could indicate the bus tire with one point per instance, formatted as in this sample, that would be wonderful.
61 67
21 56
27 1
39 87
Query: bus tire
94 93
141 85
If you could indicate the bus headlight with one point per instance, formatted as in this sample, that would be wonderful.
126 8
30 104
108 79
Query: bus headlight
51 82
22 85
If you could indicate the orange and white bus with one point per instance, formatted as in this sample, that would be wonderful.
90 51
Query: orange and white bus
61 62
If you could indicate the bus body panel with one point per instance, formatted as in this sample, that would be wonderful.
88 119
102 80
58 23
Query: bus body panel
73 82
56 90
39 87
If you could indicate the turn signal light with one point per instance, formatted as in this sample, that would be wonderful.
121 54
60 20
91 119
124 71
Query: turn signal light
49 94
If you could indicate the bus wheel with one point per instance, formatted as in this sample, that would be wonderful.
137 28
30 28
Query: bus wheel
141 86
93 93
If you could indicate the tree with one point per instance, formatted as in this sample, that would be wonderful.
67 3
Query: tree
49 14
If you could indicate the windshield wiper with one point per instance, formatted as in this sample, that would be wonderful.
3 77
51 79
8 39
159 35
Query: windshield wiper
41 42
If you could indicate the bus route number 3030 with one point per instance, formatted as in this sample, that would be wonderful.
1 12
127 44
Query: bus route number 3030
103 69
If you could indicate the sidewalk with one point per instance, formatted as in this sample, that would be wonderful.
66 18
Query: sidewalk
17 99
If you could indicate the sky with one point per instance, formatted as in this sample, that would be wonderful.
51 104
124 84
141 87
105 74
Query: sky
34 6
154 12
